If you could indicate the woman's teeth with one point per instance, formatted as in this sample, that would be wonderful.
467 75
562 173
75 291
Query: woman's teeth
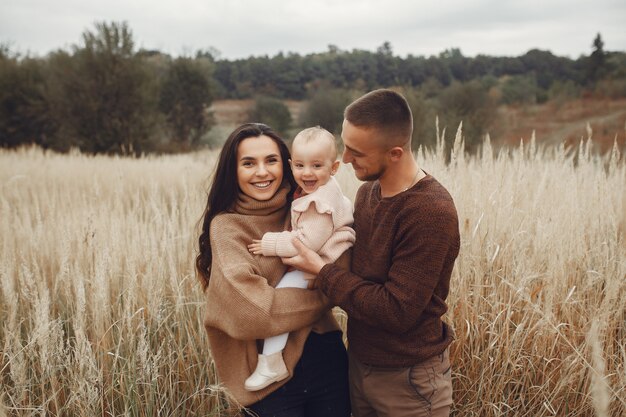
264 184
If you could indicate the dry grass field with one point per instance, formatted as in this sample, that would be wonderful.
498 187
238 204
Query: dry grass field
101 314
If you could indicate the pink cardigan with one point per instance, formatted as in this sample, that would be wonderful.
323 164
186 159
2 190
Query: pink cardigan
321 220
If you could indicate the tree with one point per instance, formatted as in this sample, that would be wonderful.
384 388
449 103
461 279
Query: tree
185 98
287 76
456 63
24 108
387 65
519 89
597 60
273 112
104 94
424 131
325 109
471 104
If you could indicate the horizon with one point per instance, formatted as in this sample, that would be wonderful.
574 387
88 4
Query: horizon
218 55
240 29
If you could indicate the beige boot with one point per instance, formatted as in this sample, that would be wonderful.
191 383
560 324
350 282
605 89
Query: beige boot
269 369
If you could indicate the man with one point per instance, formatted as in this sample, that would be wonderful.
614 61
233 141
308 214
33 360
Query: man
407 238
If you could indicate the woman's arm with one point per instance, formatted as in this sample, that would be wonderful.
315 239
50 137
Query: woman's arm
241 303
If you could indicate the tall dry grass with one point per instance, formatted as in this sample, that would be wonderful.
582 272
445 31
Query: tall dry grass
101 314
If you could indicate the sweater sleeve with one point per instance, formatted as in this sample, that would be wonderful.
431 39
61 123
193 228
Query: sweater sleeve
312 228
414 273
241 303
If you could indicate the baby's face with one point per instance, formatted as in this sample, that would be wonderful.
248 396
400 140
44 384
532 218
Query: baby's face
312 164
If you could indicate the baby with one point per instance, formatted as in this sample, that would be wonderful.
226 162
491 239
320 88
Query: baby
321 217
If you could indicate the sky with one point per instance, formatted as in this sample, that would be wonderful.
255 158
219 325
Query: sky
243 28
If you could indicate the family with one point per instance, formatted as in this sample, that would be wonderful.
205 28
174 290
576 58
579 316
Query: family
280 246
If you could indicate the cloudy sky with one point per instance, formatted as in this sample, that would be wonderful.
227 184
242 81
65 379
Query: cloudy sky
240 28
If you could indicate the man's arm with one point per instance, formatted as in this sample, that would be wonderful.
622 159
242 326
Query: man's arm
305 259
398 303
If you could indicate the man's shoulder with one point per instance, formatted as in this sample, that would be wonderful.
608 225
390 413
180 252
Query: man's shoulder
430 192
430 200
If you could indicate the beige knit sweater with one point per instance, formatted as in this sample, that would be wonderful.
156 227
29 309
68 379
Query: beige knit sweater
241 303
321 220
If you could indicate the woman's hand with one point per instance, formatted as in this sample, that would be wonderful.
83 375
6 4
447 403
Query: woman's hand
255 247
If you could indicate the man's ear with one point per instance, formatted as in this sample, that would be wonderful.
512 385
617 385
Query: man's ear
334 167
396 153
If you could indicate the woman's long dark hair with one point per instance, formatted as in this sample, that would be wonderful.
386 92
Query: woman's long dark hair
225 189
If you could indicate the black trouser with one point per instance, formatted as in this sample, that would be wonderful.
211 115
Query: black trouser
319 387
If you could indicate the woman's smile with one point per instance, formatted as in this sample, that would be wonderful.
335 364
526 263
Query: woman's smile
259 168
262 185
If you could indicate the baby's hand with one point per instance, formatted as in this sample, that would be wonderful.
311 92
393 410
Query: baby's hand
255 247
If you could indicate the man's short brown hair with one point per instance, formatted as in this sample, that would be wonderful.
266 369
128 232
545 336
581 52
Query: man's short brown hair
384 110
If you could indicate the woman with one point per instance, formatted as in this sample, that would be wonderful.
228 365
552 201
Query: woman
250 196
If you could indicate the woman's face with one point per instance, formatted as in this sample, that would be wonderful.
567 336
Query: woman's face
259 167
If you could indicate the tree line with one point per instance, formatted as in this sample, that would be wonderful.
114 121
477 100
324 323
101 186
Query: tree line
105 96
293 76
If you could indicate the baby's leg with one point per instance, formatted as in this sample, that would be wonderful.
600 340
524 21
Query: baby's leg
292 279
271 366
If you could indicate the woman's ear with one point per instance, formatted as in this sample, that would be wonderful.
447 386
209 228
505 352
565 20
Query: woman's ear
334 167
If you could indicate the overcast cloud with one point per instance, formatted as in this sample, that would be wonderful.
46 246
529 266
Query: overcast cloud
240 28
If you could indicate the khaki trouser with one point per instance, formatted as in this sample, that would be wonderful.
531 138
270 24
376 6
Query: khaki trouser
424 389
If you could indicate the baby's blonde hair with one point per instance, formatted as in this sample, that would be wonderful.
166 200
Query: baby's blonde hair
317 133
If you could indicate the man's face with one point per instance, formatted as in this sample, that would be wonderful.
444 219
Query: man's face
361 149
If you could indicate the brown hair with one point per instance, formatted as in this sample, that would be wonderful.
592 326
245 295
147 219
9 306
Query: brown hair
386 111
225 189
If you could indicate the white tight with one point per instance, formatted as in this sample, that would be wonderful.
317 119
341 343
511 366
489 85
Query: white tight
292 279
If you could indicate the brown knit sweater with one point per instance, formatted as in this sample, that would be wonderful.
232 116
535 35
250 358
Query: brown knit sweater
241 303
401 265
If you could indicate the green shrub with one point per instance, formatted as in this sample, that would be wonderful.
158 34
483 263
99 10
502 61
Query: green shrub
273 112
185 98
325 109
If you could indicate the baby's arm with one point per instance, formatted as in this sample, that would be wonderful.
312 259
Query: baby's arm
312 228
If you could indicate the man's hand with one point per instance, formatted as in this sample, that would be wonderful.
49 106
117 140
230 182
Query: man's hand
255 247
306 260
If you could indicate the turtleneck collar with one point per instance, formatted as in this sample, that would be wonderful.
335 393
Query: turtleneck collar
249 206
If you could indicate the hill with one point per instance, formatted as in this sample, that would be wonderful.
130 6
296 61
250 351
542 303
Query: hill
553 122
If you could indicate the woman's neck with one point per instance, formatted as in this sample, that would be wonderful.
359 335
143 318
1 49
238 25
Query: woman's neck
250 206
